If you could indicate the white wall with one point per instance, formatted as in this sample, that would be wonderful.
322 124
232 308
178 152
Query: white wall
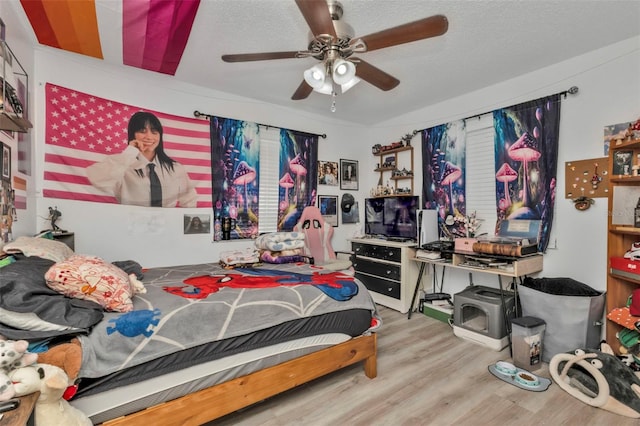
609 93
151 236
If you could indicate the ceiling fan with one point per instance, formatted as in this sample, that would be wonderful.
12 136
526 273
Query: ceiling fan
333 43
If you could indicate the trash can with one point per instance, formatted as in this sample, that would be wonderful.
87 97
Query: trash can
527 335
572 311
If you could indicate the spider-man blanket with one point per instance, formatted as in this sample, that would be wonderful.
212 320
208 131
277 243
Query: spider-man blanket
336 285
182 310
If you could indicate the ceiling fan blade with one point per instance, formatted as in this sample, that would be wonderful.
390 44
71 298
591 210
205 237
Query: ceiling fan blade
418 30
247 57
302 91
374 75
318 17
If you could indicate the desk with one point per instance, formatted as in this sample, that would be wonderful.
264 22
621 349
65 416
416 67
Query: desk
514 268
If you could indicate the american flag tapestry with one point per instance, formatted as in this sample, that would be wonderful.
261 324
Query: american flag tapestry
100 150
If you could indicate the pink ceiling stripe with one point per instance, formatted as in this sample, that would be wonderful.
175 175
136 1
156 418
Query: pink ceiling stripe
155 32
181 28
134 28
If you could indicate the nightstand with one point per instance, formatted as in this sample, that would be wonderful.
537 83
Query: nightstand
65 237
23 414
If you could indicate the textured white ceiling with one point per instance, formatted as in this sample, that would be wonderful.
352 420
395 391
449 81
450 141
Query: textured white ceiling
487 42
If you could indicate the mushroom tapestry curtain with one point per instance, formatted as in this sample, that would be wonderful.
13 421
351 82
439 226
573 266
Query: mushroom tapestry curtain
298 166
236 180
526 153
443 189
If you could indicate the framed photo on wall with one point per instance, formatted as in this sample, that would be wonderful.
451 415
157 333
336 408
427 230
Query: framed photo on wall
622 162
328 205
6 162
349 177
328 173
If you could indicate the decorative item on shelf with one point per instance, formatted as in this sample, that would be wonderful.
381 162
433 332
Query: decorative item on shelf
376 149
636 215
472 224
622 162
407 139
54 215
389 162
633 131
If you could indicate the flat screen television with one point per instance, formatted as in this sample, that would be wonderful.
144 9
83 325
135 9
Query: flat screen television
393 218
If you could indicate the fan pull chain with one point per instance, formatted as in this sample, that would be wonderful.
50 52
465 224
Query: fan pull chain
333 101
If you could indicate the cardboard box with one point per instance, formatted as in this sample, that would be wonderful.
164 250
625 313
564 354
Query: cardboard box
624 267
464 244
441 313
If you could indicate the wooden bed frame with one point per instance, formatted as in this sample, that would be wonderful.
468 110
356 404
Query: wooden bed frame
214 402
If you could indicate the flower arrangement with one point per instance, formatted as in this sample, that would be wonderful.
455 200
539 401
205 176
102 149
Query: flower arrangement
471 224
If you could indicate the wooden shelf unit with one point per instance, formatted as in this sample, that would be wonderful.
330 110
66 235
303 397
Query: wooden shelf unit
400 162
620 236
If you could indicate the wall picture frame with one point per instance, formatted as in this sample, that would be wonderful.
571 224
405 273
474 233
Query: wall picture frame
622 161
349 174
328 173
6 162
328 205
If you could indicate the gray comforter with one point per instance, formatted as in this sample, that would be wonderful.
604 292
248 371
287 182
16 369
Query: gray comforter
173 316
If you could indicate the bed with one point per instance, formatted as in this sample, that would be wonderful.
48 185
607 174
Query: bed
202 341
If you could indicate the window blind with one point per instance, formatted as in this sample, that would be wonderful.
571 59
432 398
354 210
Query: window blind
480 164
269 180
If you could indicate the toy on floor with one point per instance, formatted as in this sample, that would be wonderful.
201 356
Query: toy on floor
598 378
51 409
13 354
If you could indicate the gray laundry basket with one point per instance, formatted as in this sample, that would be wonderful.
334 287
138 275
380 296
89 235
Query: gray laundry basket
572 311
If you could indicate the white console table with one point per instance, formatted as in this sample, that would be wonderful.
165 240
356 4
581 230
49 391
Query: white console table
386 269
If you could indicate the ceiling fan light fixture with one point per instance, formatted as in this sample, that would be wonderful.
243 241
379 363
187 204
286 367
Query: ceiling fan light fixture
315 76
343 71
349 84
326 88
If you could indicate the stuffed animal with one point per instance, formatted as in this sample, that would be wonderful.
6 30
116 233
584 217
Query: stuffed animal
67 356
13 354
51 409
598 379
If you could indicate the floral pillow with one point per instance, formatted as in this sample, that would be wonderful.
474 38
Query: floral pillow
91 278
41 247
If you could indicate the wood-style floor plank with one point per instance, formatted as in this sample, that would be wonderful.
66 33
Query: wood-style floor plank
426 376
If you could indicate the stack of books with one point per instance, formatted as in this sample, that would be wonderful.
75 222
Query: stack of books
426 254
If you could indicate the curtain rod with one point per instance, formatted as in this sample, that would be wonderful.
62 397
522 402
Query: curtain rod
572 91
199 114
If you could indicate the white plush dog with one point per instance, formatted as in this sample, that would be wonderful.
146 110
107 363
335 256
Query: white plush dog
51 409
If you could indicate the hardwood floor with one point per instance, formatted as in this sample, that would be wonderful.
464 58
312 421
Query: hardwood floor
426 376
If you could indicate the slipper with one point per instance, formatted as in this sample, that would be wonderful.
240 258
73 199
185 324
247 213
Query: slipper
523 379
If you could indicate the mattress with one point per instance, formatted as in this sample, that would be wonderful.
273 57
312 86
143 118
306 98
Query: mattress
350 323
200 325
110 404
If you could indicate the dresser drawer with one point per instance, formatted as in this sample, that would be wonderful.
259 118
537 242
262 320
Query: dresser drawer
385 270
392 254
380 285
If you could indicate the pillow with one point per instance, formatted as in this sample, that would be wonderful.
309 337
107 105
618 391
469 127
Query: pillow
29 310
41 247
91 278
